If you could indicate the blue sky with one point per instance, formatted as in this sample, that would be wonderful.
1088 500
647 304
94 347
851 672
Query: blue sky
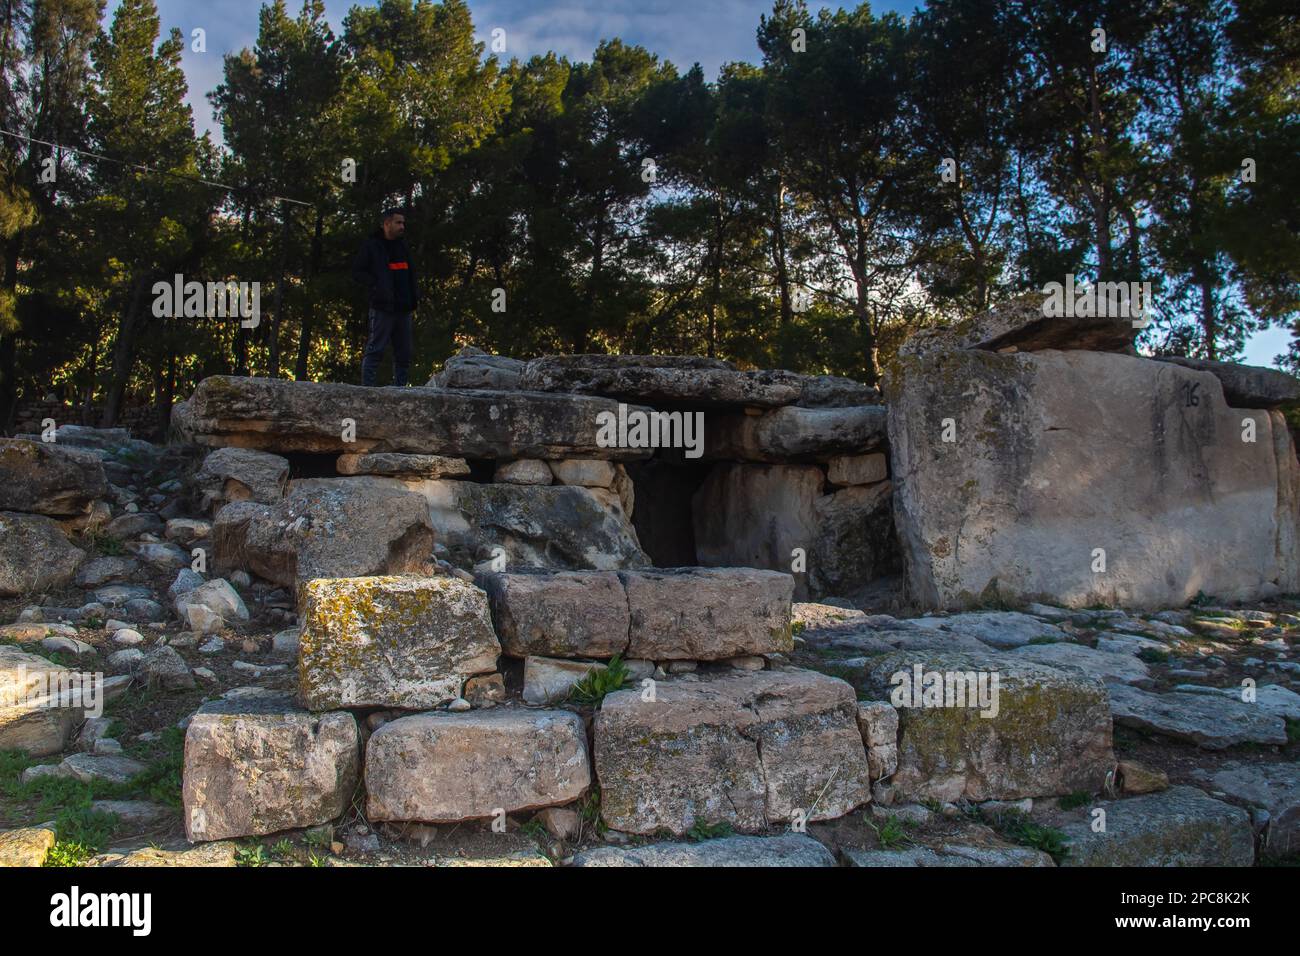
710 32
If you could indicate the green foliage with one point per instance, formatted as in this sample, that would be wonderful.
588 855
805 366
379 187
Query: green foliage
891 833
593 687
1072 801
251 855
1292 730
1019 828
1153 656
709 831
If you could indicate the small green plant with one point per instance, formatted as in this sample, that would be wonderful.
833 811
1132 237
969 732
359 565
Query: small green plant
105 544
1020 829
700 830
797 628
1072 801
534 829
254 855
1153 656
1202 600
891 833
596 683
590 810
1292 730
284 849
315 859
66 853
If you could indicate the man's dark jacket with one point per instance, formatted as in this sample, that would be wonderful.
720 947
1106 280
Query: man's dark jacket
370 268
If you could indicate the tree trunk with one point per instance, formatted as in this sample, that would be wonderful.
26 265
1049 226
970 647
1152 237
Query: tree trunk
123 355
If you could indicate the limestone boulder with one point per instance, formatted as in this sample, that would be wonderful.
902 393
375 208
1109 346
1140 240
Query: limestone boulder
49 478
405 642
558 614
258 764
662 378
1245 386
1020 325
855 542
588 472
793 434
754 516
1274 788
846 470
1054 489
1182 826
278 415
242 474
1207 720
35 555
443 768
702 614
788 849
473 368
26 846
402 466
1037 731
334 527
749 749
559 527
36 715
548 680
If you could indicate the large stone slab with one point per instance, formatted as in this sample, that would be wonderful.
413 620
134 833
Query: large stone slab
284 416
35 554
793 434
559 614
685 379
48 478
1207 720
259 764
788 849
949 855
1019 324
1055 455
327 528
26 846
1047 730
402 466
33 717
559 527
750 750
1180 827
442 768
707 613
1101 665
855 542
1274 787
1245 386
754 516
392 641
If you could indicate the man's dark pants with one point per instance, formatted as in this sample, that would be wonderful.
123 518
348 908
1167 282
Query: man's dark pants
385 327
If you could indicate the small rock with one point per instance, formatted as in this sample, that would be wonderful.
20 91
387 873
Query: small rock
66 645
1136 778
26 846
128 658
127 637
459 705
164 667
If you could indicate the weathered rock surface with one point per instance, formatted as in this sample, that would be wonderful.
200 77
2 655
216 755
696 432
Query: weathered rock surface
402 466
662 378
48 478
26 846
793 434
1245 386
704 614
35 554
548 680
1020 325
845 470
257 764
1180 827
560 527
392 641
755 515
283 416
242 474
855 542
1274 787
588 472
1270 698
1206 720
560 614
949 855
1000 629
747 749
1048 730
788 849
441 768
473 368
1035 481
104 570
526 471
33 715
1100 665
325 528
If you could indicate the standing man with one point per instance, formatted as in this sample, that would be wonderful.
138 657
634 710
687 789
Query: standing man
384 267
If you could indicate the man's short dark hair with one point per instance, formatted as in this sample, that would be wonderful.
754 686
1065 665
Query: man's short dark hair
390 212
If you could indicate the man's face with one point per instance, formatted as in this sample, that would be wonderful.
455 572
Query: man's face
394 226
